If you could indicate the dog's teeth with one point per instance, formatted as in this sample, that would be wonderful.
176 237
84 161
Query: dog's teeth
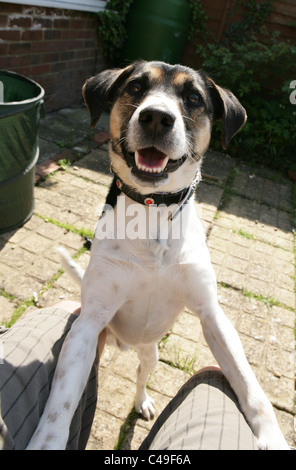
137 157
165 163
149 169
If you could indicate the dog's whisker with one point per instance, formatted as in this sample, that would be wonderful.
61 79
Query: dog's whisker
119 141
191 151
129 104
188 118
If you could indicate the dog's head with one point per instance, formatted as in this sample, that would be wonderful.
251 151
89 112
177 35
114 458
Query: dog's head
161 121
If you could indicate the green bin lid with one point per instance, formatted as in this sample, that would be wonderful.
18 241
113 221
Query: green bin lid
17 93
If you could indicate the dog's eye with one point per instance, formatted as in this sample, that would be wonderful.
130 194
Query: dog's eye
135 87
194 99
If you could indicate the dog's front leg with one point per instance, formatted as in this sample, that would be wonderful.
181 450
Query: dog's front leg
228 351
74 365
148 356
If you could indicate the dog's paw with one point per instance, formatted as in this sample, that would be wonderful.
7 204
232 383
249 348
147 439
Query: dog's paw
145 407
273 440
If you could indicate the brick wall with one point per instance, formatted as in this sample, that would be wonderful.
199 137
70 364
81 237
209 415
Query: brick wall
57 48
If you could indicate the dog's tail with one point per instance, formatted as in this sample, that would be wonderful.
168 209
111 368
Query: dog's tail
69 265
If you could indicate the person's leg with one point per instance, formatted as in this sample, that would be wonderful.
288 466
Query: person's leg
204 415
30 351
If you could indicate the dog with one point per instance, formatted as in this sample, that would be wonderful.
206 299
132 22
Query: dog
138 282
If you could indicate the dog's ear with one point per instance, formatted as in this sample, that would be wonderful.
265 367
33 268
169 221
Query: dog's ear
228 108
100 89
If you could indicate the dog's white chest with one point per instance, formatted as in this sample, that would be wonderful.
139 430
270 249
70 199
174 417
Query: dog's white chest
146 283
144 280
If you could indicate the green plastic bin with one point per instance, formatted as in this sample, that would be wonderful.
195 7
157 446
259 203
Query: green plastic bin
21 106
157 30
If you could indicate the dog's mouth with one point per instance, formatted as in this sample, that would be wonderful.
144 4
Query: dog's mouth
151 163
151 160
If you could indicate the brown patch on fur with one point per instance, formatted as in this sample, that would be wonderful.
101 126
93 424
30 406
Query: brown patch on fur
121 113
60 375
52 417
180 78
115 121
115 287
156 73
203 135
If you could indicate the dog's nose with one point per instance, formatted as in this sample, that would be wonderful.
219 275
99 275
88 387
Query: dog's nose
156 120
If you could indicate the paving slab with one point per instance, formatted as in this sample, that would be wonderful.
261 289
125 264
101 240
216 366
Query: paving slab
257 220
252 265
248 215
7 308
67 128
217 166
264 186
47 150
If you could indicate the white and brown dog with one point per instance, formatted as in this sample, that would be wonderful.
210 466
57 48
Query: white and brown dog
160 127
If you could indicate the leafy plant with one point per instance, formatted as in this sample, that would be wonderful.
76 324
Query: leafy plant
254 64
198 20
64 163
112 27
250 66
252 21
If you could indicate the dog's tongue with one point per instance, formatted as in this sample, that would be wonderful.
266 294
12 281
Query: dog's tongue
151 157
